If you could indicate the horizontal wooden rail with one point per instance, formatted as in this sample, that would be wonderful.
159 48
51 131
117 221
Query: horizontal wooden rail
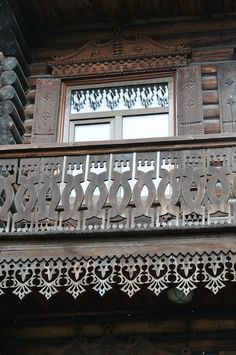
179 182
118 146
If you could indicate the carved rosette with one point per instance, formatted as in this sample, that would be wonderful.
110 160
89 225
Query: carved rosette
154 272
134 56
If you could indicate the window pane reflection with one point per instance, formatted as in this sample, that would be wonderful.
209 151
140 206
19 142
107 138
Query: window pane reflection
92 132
146 126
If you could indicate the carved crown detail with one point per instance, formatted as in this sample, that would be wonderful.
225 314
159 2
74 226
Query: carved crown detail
119 55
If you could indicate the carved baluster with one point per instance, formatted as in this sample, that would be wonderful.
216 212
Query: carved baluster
121 175
73 194
8 170
98 172
26 195
49 191
218 184
193 187
145 172
170 179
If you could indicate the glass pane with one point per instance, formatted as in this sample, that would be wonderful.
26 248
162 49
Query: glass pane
92 132
146 126
119 98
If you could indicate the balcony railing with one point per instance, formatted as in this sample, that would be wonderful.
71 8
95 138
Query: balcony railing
144 184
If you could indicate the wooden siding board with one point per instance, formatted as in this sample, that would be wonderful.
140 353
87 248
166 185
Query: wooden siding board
189 101
227 94
46 111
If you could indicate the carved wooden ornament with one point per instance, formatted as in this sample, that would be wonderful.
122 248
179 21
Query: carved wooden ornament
119 56
46 111
227 96
130 274
189 101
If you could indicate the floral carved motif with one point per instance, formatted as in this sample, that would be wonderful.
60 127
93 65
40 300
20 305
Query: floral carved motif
155 273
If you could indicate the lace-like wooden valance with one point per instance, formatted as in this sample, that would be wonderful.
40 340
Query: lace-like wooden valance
130 274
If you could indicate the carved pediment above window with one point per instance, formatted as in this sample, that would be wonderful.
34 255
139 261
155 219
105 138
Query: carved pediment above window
119 55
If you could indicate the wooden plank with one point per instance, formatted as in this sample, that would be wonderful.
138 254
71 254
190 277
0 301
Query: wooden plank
104 147
212 126
189 101
208 69
209 83
109 244
210 97
227 94
211 111
46 111
214 54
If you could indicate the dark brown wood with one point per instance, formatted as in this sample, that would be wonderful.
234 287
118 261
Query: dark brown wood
227 94
215 54
189 101
119 56
46 111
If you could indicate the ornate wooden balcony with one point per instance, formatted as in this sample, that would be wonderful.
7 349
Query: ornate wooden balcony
131 185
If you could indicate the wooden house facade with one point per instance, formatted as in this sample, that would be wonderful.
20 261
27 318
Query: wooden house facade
118 177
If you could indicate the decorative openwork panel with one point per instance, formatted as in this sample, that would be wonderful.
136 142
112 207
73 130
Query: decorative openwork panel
130 274
119 98
133 190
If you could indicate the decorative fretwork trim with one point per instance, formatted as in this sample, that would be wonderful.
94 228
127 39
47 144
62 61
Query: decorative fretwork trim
155 273
136 55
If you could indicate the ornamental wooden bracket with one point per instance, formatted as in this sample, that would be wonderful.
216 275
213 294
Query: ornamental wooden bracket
119 56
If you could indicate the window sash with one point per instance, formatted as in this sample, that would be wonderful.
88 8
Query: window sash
115 117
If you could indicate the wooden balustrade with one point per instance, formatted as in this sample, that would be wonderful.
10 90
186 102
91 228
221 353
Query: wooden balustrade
179 182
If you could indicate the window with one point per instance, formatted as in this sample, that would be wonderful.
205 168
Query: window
135 109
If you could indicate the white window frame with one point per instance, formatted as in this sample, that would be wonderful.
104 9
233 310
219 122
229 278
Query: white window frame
70 120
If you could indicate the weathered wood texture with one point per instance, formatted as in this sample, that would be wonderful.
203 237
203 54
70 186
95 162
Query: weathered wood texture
227 94
46 111
13 87
42 336
201 181
198 107
210 99
189 101
47 16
